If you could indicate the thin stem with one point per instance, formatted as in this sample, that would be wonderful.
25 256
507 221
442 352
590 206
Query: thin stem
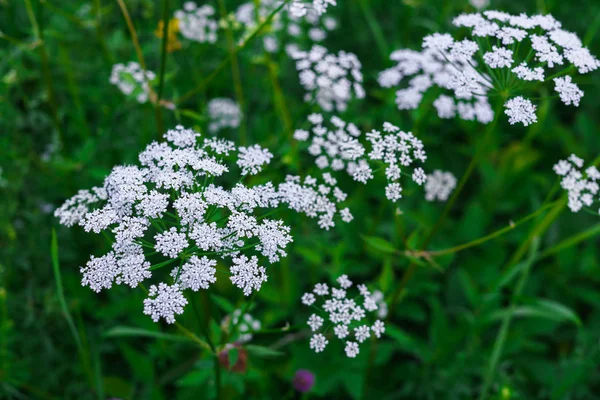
503 332
226 61
46 73
163 50
235 73
140 56
375 28
493 235
280 99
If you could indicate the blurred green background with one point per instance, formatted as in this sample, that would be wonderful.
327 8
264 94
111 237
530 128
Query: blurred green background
63 127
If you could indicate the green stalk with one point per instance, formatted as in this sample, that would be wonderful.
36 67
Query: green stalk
235 73
163 51
46 73
226 61
506 320
81 349
140 56
382 46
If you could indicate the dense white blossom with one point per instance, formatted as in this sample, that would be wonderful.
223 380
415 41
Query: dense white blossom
169 209
341 146
197 273
439 185
581 185
294 21
467 68
223 113
568 91
520 110
197 23
345 314
164 302
329 79
252 159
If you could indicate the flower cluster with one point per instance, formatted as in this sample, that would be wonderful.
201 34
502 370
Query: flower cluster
169 210
223 113
347 316
522 52
581 188
132 81
337 146
197 23
312 23
330 80
244 324
298 8
439 185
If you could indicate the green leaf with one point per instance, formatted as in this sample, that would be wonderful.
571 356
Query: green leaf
380 244
406 342
544 309
222 303
127 331
233 355
193 115
262 351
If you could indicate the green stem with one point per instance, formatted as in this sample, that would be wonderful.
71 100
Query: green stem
235 73
46 73
226 61
506 320
493 235
140 56
163 50
375 28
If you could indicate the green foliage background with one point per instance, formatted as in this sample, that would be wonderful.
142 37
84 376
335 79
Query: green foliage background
543 275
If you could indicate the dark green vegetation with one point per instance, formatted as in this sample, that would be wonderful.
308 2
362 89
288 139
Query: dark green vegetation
519 314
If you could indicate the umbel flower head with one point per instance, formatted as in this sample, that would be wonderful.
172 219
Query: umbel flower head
505 55
345 315
197 23
132 81
330 80
341 146
223 113
312 26
299 8
581 185
169 212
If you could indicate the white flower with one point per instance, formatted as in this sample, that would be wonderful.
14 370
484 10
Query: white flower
527 74
419 176
351 349
171 243
196 274
167 301
247 275
378 328
439 185
252 159
499 57
318 342
393 191
132 80
330 80
521 110
308 299
315 322
362 333
344 282
341 331
569 92
223 113
197 23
